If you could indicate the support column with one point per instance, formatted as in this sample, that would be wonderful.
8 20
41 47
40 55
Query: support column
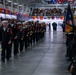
4 5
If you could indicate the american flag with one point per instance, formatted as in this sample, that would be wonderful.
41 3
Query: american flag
69 20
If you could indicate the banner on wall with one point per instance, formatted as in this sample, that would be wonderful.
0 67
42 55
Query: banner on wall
14 17
2 15
8 16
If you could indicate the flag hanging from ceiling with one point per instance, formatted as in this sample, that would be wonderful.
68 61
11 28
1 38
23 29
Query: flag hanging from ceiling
62 17
7 11
41 17
57 17
2 10
53 17
48 17
37 17
34 17
45 17
69 20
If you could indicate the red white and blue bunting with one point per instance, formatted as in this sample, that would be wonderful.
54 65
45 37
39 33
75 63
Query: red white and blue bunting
47 17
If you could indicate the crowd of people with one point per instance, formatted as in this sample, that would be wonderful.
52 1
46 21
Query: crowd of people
49 12
46 12
20 35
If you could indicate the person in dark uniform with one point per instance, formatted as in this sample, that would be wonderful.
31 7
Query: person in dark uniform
15 30
28 34
10 25
49 27
21 37
36 30
69 45
69 41
54 26
74 40
39 27
63 26
73 51
31 35
5 40
44 29
25 34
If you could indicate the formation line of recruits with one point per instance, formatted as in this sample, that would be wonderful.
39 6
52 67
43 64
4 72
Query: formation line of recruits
21 35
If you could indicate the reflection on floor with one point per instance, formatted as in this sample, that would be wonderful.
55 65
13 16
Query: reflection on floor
47 57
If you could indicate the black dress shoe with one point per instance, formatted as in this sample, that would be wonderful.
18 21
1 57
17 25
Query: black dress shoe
3 61
66 55
7 59
69 59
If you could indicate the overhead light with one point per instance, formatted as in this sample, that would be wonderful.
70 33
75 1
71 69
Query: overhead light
15 3
43 1
20 5
9 1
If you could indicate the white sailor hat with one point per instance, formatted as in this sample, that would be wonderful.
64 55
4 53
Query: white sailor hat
26 21
19 23
5 21
23 23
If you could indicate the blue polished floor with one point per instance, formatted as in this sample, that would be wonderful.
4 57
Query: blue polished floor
47 57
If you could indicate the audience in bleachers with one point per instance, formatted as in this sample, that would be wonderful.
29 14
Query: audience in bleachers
47 12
